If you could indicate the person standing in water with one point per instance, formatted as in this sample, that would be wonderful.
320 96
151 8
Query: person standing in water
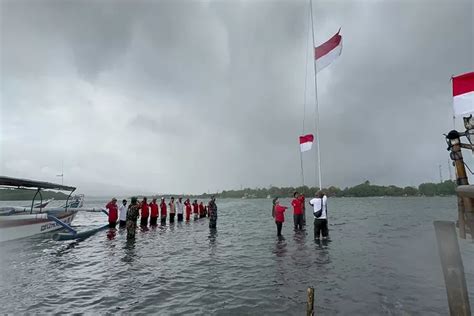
132 216
297 212
320 207
172 210
163 211
279 212
212 208
201 210
303 208
123 214
196 209
145 212
153 213
179 209
113 212
187 204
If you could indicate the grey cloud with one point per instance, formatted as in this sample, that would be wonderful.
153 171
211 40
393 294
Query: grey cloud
193 96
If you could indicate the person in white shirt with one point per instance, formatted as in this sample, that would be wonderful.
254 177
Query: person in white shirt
123 214
320 208
179 209
172 210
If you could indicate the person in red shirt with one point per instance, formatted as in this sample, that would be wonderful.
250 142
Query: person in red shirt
195 209
153 212
303 208
187 203
163 211
145 212
297 212
201 210
279 212
113 212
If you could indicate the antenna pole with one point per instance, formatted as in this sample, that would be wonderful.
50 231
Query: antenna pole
440 175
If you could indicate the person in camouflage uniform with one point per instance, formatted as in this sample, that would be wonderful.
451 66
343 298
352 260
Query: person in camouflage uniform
132 217
212 208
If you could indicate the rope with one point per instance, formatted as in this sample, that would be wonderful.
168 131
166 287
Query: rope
465 165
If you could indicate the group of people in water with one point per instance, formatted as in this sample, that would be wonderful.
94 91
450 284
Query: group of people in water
127 216
319 204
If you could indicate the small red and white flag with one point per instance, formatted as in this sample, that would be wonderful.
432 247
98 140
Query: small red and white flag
328 51
463 94
306 142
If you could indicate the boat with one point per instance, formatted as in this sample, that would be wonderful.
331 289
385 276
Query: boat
76 201
21 222
42 204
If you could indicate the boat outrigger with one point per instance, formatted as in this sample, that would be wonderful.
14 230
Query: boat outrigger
21 222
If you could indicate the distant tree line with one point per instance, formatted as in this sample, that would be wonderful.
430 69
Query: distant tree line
27 195
361 190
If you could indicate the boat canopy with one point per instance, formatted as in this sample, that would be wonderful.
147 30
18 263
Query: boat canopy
25 183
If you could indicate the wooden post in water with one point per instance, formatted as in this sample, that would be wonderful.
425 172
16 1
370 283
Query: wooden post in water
310 302
461 177
453 269
467 193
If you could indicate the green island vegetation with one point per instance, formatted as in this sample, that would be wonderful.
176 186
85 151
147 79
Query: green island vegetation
27 195
361 190
365 189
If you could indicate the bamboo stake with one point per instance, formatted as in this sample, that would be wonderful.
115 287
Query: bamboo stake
310 302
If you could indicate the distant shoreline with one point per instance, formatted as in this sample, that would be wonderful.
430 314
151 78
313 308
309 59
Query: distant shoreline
365 189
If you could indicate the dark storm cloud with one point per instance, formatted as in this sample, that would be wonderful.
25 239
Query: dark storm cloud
195 96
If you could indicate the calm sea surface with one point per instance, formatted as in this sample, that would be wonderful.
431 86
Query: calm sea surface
383 259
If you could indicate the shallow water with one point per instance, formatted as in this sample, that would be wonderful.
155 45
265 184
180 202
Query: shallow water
382 259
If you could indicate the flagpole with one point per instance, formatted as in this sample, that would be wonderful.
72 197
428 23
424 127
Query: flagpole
302 172
304 100
318 136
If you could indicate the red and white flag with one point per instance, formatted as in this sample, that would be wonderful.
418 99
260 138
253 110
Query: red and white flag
328 51
306 141
463 94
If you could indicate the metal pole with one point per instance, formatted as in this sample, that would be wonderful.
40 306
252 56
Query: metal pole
453 269
318 136
440 175
302 172
304 99
450 173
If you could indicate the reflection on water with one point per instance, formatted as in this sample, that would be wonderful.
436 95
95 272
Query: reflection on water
280 248
111 233
300 238
383 261
321 243
129 251
212 236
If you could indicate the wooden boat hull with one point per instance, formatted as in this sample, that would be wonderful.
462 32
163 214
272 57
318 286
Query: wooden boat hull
25 225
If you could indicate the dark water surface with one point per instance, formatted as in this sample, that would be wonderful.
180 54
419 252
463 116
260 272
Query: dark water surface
383 259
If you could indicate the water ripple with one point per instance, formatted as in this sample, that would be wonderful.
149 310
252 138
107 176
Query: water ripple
382 260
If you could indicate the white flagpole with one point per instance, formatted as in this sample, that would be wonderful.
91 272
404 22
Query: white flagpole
304 99
302 171
318 135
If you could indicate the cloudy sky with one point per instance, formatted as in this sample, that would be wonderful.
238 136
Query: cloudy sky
197 96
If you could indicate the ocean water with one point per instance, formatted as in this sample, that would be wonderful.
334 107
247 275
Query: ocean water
382 260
